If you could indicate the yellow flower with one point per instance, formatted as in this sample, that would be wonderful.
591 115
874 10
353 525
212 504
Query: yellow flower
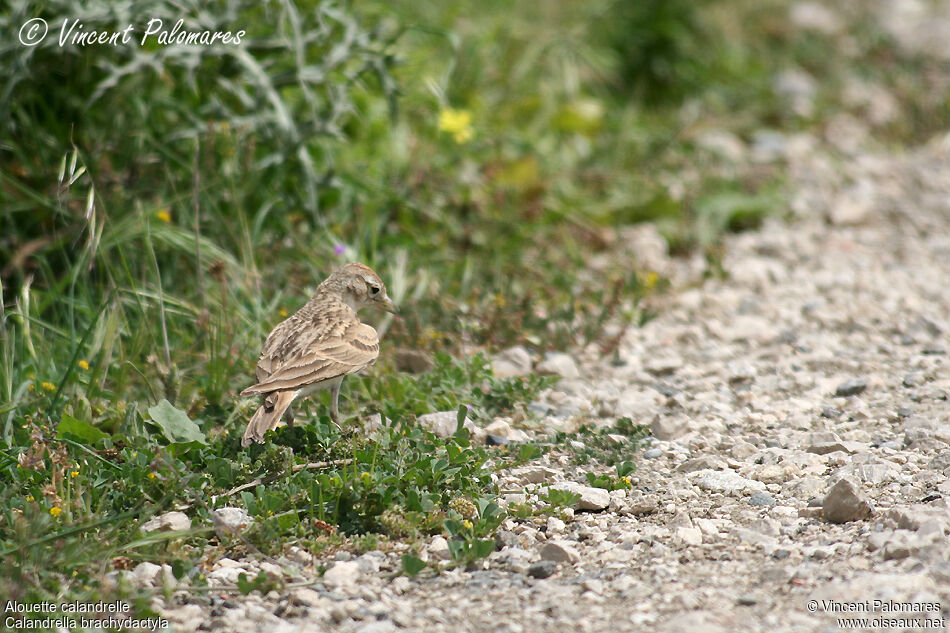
29 497
152 475
458 123
48 386
651 280
467 524
74 474
83 365
282 312
54 511
31 375
164 216
31 387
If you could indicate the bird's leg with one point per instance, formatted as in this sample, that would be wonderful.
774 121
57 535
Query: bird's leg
335 404
289 416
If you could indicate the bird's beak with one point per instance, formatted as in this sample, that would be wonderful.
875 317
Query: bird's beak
387 304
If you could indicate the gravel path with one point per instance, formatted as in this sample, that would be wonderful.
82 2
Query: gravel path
801 409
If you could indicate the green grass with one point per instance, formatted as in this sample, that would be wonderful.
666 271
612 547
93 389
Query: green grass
477 160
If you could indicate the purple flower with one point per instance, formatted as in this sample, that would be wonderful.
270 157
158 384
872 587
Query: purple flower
339 249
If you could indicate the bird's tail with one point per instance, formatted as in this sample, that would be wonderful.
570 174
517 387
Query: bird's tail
267 416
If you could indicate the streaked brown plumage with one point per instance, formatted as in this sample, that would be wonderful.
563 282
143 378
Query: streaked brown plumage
317 347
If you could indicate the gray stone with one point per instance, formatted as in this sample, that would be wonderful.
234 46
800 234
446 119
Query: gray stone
560 552
439 547
913 379
542 568
501 428
594 499
668 427
725 481
663 366
495 440
652 453
815 16
689 535
232 518
307 597
706 462
761 499
559 364
342 574
851 387
168 522
511 363
442 423
845 502
145 574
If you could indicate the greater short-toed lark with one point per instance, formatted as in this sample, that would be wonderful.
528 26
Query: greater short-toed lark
317 347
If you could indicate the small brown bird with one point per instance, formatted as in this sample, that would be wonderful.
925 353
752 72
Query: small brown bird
317 347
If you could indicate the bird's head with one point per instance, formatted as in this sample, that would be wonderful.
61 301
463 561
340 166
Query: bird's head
359 286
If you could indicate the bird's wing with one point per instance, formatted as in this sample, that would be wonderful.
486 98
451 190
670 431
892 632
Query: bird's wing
313 351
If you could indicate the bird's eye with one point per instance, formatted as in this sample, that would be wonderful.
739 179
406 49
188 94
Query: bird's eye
374 290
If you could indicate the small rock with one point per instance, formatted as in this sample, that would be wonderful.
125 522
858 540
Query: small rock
825 442
439 547
145 574
815 16
726 482
168 522
542 568
913 379
594 499
504 538
555 525
664 366
689 535
747 600
761 499
511 363
559 364
534 474
307 597
232 518
495 440
227 575
413 361
653 453
560 552
740 371
831 412
342 574
853 206
499 428
706 462
845 502
442 423
668 428
851 387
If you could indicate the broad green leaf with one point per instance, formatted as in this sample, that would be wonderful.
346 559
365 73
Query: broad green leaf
175 423
83 431
412 565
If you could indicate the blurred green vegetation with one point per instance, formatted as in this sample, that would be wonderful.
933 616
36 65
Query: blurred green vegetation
163 207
